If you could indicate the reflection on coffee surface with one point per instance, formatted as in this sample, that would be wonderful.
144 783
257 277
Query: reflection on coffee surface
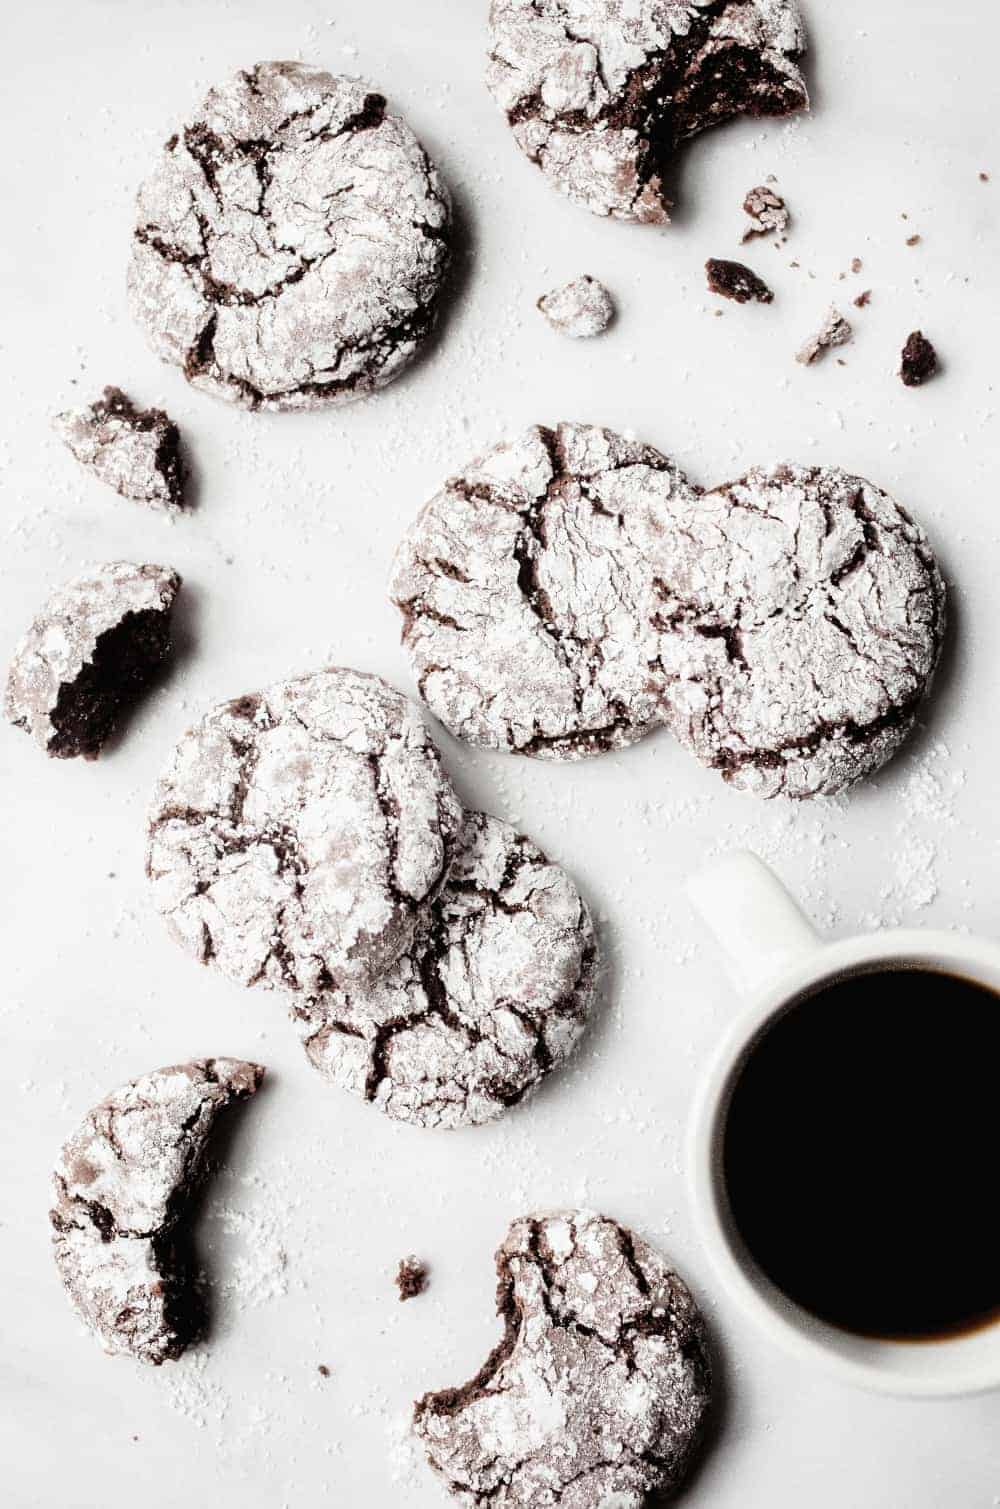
860 1154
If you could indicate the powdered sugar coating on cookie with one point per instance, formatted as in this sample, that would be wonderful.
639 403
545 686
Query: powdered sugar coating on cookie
599 93
91 650
598 1392
527 593
801 620
121 1186
491 996
291 245
297 832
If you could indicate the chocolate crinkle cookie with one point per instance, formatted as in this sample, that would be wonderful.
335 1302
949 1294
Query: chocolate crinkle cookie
297 832
801 620
135 451
493 993
123 1187
527 592
292 243
732 280
579 309
597 1394
89 654
600 93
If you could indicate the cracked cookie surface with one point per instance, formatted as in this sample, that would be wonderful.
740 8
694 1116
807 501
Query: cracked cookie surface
527 593
121 1186
493 993
135 451
89 655
297 832
600 93
597 1393
291 246
802 617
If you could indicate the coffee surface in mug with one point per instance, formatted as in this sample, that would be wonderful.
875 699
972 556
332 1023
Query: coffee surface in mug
861 1149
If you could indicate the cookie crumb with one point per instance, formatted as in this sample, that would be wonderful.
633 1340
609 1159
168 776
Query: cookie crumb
731 280
580 309
835 331
766 211
913 240
863 299
411 1278
323 1370
919 360
135 451
856 264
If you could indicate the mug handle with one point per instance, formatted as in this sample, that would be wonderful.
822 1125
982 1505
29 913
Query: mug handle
762 931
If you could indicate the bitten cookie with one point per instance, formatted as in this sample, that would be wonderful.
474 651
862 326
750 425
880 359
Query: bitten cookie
122 1187
527 590
292 243
801 620
88 656
600 93
297 832
135 451
493 993
599 1389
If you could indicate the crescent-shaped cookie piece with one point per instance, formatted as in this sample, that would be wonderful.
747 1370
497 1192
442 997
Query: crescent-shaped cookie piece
122 1187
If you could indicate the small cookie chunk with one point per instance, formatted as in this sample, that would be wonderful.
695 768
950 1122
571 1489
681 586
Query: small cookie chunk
297 833
766 212
89 654
579 309
411 1279
834 331
600 95
734 281
135 451
493 993
123 1185
598 1392
801 621
292 244
919 360
526 591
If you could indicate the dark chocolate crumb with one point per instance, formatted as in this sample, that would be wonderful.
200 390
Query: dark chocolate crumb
919 360
734 281
323 1370
863 299
856 264
913 240
984 178
411 1279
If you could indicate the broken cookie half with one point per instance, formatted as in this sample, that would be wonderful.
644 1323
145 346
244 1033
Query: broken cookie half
598 1392
123 1186
89 655
600 95
135 451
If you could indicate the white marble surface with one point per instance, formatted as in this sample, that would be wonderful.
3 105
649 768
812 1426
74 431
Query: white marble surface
285 562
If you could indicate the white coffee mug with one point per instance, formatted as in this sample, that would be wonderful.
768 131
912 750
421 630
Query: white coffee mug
775 956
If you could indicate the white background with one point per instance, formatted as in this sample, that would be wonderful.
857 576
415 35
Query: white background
285 562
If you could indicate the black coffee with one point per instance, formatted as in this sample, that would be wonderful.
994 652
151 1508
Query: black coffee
861 1153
